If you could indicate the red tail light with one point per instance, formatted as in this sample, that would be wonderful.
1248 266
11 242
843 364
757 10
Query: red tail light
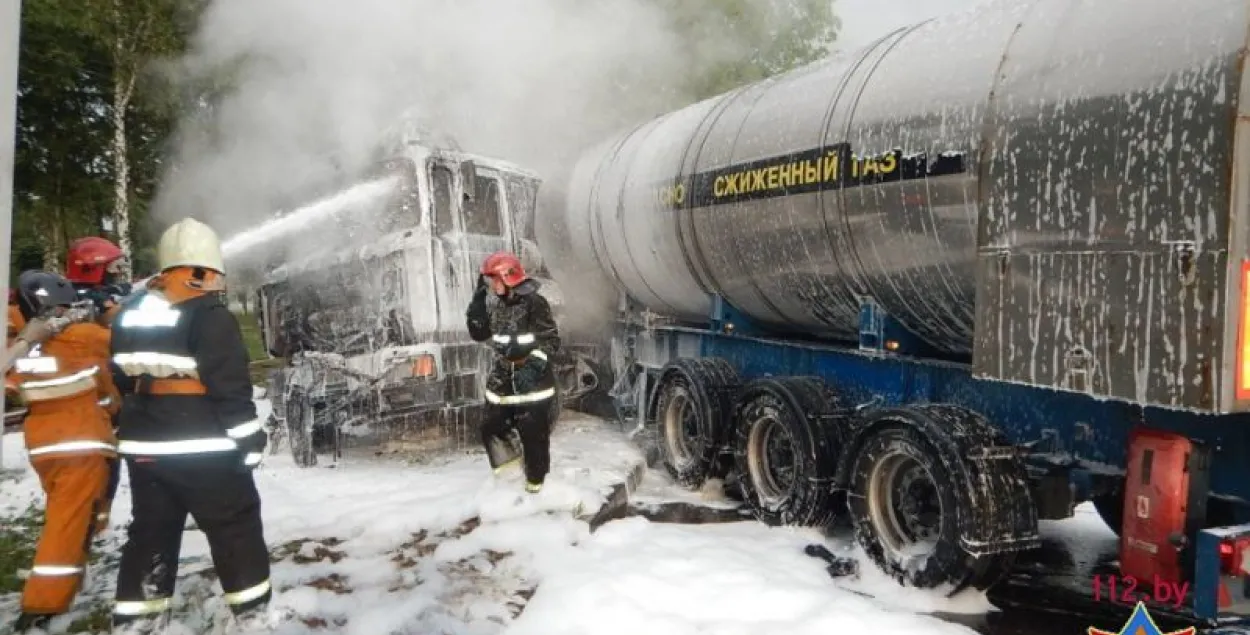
1233 553
1243 335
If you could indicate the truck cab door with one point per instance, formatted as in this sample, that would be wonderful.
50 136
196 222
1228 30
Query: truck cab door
470 222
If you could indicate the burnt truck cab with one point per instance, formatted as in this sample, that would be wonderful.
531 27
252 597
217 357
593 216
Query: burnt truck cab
373 332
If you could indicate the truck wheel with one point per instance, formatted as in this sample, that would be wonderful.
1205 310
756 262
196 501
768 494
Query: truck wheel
921 478
903 505
785 460
299 426
691 408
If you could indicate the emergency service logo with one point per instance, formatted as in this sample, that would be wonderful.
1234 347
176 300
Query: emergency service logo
1140 623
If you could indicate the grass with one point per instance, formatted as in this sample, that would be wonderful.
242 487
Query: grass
261 362
18 536
251 336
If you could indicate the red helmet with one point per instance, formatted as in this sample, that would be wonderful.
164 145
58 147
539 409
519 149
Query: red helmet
89 258
506 266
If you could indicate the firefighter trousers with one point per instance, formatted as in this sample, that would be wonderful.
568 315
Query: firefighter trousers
533 423
225 505
75 487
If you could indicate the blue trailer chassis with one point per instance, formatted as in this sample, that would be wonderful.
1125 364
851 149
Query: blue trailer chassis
1085 437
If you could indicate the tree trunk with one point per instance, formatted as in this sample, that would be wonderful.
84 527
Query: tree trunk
125 74
123 87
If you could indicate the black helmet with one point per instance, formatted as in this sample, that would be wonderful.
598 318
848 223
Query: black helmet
38 291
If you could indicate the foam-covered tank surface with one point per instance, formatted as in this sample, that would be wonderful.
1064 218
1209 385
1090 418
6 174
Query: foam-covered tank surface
1036 182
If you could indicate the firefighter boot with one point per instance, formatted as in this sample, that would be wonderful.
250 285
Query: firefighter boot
532 487
30 622
148 625
262 619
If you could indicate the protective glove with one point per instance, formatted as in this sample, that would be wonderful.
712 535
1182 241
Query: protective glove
252 449
477 306
526 377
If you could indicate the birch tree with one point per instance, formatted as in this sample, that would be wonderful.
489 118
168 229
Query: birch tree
135 33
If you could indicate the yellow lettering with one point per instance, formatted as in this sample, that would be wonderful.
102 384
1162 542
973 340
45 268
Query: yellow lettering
735 184
889 163
796 174
757 178
772 178
811 171
870 166
784 172
679 194
830 172
718 187
854 167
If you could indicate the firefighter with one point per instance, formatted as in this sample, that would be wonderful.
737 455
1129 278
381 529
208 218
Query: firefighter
189 434
521 388
68 436
95 267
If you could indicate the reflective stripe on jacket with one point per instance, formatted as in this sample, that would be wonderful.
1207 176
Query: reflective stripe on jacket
63 382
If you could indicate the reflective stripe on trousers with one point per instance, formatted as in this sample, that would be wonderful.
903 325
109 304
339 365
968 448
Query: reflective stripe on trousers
55 569
169 448
138 608
531 397
249 594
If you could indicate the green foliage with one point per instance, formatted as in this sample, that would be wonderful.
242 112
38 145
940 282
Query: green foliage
735 42
18 537
77 58
60 182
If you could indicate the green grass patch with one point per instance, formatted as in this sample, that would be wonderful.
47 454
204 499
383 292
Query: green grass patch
18 536
251 336
255 342
99 620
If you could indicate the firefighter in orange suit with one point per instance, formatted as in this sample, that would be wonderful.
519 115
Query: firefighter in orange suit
95 267
69 438
189 434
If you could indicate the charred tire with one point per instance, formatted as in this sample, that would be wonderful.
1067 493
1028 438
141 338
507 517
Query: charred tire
916 492
785 458
299 429
693 404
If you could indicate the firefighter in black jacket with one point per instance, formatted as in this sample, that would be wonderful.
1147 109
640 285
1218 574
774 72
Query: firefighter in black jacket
189 434
521 387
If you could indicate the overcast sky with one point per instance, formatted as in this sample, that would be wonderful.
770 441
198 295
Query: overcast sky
866 20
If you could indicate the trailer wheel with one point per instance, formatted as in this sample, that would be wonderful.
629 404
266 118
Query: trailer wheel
691 409
920 479
785 459
300 429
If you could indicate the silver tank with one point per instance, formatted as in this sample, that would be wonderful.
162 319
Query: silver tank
1022 182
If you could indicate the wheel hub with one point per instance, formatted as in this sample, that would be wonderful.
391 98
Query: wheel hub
681 428
771 459
904 506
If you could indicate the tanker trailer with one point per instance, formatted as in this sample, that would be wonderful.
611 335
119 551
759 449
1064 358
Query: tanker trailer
958 281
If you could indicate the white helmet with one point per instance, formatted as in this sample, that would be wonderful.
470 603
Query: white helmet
190 243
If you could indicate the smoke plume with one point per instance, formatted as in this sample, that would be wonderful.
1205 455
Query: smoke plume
313 90
316 87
